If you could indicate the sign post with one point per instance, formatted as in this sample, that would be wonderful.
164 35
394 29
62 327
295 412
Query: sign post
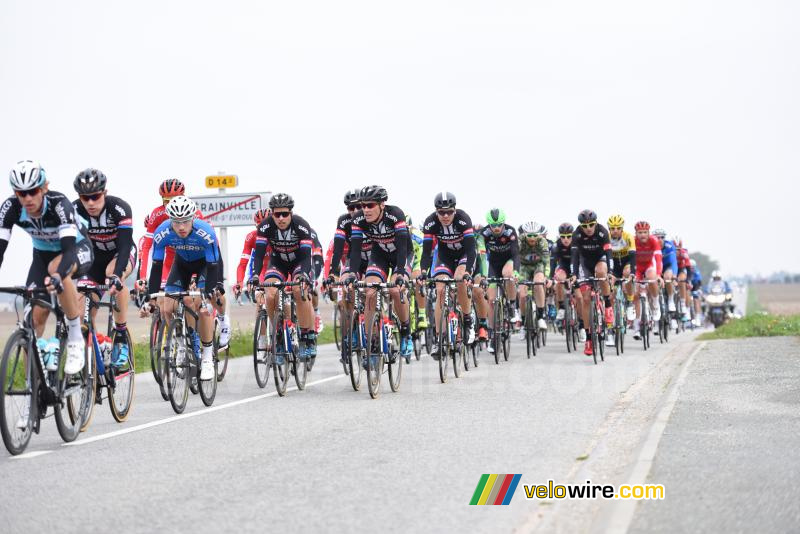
223 210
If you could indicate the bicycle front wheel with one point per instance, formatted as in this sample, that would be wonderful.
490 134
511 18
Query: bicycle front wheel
96 397
18 406
121 385
374 356
77 393
395 369
177 368
356 352
277 347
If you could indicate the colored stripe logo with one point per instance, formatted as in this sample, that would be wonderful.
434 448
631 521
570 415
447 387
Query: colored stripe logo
495 489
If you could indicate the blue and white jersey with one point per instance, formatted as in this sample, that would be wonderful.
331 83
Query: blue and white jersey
201 243
669 256
58 220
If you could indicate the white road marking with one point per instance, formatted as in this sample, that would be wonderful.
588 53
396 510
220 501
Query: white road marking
32 454
622 516
181 417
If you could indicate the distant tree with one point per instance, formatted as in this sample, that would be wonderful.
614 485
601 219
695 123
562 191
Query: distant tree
705 264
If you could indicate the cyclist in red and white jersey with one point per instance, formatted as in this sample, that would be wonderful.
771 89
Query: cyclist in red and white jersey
649 266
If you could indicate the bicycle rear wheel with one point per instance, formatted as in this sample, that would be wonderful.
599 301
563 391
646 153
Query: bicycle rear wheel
18 406
458 336
277 344
160 360
299 367
177 369
396 368
155 347
261 359
220 356
208 388
593 326
77 393
337 335
530 346
121 383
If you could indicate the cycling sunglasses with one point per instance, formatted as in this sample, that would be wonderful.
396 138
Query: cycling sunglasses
369 205
565 236
353 207
445 213
588 225
498 225
615 228
93 197
281 214
28 193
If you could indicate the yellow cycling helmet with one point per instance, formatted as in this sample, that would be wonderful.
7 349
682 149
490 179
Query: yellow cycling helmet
616 221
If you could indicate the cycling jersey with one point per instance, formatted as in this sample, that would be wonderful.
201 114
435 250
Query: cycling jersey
157 217
317 261
111 233
341 244
590 249
684 261
620 248
501 248
200 247
248 253
57 230
390 240
417 239
670 258
534 258
481 267
648 255
455 242
560 258
290 247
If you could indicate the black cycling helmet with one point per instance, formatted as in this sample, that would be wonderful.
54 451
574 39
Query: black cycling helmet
376 193
351 197
445 200
89 181
281 200
587 216
566 228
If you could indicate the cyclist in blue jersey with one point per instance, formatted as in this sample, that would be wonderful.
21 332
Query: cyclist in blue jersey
61 248
697 291
670 261
196 253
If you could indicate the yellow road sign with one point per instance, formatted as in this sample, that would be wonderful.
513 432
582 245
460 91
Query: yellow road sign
219 181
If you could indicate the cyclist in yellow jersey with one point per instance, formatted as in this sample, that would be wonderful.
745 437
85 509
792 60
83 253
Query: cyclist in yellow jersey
623 255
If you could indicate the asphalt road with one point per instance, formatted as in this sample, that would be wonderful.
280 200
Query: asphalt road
332 459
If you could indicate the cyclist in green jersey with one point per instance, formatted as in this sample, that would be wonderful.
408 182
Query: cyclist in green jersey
416 244
534 258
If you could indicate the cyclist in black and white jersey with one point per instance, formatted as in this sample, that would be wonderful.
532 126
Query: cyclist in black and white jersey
111 234
455 258
61 249
385 226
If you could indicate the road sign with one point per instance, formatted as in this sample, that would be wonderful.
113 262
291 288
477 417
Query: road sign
231 210
222 181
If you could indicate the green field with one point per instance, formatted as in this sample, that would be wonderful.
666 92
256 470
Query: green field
757 323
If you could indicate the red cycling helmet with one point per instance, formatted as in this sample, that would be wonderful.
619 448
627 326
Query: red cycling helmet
171 188
642 225
260 216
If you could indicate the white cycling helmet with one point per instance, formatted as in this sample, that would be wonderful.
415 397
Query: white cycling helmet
659 232
27 175
533 227
181 208
716 274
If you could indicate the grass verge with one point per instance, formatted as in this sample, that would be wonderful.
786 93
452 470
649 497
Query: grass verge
241 345
757 325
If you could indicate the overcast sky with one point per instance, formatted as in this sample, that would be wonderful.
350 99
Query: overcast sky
681 112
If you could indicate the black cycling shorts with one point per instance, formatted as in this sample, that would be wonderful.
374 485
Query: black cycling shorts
97 272
619 265
448 263
180 275
587 265
41 259
382 263
284 270
496 264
